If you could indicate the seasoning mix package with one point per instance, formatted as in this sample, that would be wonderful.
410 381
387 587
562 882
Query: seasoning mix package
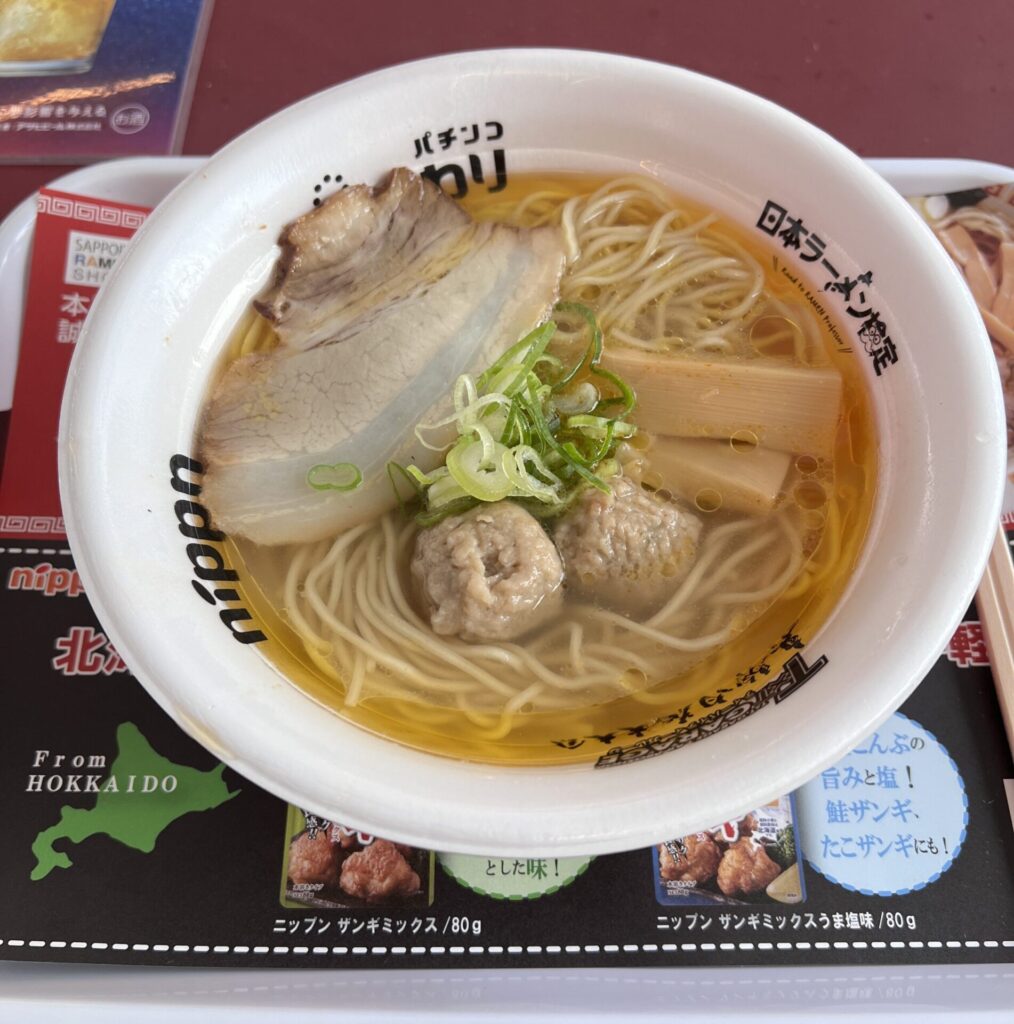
328 866
755 859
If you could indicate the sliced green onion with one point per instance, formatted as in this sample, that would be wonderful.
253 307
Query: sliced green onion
426 479
515 428
593 355
490 448
594 351
571 456
446 489
507 376
477 475
342 476
549 360
544 487
465 392
596 426
463 416
581 399
482 406
394 468
543 336
430 517
527 429
626 397
536 340
605 446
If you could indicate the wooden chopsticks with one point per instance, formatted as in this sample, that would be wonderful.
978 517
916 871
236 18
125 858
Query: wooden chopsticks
995 600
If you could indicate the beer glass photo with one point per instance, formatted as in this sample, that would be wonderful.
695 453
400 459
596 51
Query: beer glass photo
51 37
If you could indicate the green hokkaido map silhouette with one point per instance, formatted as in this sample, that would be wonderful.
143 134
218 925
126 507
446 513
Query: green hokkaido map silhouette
123 810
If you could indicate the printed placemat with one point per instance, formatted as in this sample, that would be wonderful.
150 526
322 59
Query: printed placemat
126 842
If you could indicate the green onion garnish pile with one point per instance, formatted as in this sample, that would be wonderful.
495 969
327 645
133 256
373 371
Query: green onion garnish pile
528 428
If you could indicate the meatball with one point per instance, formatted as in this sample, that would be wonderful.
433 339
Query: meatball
697 864
746 868
628 549
313 861
490 574
378 873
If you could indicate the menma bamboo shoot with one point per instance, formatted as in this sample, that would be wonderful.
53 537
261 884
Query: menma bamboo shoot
789 408
748 479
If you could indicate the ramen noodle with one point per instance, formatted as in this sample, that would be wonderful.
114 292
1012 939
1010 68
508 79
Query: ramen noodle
640 520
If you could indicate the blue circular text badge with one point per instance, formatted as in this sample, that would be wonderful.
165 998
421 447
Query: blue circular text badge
890 817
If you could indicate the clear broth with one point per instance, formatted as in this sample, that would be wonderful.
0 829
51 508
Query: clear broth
722 676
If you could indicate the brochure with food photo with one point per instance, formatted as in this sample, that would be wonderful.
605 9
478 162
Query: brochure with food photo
81 79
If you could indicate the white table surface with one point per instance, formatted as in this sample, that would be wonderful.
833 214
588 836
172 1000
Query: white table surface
31 993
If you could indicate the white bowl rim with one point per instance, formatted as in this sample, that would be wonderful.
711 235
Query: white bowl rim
433 822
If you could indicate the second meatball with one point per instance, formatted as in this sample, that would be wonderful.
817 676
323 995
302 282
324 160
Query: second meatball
490 574
627 549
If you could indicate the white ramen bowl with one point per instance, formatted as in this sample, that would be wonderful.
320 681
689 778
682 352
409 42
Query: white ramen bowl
151 342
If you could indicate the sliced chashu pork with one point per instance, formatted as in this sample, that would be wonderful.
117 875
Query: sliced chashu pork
382 298
363 251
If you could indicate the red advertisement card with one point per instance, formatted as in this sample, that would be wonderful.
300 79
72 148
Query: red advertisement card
77 243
